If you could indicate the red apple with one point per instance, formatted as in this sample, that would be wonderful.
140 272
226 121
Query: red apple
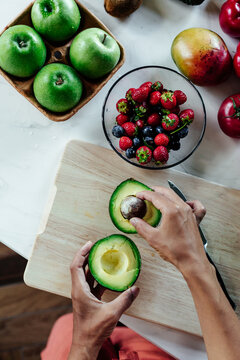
229 116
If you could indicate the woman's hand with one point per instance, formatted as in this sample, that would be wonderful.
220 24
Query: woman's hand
93 319
177 239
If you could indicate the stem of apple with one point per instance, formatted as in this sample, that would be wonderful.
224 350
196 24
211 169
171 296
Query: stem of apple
104 38
22 44
59 81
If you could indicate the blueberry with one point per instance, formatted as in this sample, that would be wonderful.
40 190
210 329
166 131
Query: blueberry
156 109
175 145
137 142
118 131
183 132
130 153
149 140
159 129
147 131
175 137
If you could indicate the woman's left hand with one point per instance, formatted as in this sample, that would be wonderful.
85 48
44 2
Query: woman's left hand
93 320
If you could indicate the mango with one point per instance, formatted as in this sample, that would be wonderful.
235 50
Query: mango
202 56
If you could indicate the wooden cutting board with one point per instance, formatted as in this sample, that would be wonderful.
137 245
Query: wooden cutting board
86 179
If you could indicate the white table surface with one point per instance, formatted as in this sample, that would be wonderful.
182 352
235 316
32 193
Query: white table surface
31 145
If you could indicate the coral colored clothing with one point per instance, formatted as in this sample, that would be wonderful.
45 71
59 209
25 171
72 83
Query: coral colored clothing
124 344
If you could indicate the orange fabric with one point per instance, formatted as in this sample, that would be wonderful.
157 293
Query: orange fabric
123 341
126 341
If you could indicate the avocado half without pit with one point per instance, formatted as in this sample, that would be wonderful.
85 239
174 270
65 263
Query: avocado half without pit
115 262
124 205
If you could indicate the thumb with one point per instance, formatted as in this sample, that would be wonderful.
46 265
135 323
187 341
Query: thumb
143 228
125 300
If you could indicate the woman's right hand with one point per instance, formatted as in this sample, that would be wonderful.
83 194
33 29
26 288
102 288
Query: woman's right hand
177 239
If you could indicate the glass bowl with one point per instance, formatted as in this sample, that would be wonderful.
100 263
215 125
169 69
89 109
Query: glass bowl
172 80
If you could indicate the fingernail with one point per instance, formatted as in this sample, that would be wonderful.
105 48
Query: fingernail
134 221
135 291
87 244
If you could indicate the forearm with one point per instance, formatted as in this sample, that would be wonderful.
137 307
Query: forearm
80 353
83 345
220 325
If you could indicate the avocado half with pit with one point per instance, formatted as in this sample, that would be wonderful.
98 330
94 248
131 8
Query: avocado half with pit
115 262
124 205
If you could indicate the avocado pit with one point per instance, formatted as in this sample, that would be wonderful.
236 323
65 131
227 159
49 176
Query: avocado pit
132 206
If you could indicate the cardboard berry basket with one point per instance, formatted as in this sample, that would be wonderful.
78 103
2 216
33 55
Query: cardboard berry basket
60 54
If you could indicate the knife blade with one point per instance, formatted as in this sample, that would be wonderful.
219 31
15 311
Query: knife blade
204 240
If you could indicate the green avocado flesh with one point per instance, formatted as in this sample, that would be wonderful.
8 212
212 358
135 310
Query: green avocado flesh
115 262
130 188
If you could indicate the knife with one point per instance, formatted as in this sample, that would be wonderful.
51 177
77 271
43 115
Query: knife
204 240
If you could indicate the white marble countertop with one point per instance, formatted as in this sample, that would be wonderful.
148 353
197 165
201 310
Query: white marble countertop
31 145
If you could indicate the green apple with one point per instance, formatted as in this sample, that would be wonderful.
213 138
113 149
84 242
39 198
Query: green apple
94 53
22 51
57 87
56 20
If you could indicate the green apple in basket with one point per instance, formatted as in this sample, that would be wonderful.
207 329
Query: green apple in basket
57 87
94 53
22 51
56 20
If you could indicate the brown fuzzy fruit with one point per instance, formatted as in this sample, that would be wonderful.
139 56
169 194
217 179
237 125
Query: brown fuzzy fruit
121 8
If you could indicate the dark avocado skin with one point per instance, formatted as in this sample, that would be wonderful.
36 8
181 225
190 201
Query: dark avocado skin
135 251
118 220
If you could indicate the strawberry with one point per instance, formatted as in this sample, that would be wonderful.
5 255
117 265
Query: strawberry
122 106
168 100
154 119
160 155
180 96
170 122
143 155
130 128
155 98
125 143
157 86
128 95
147 84
140 124
187 116
165 111
121 119
141 110
161 139
141 94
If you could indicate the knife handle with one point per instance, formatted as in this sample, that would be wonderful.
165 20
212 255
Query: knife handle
220 280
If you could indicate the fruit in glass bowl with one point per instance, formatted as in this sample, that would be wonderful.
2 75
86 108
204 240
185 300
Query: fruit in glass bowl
147 117
164 124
